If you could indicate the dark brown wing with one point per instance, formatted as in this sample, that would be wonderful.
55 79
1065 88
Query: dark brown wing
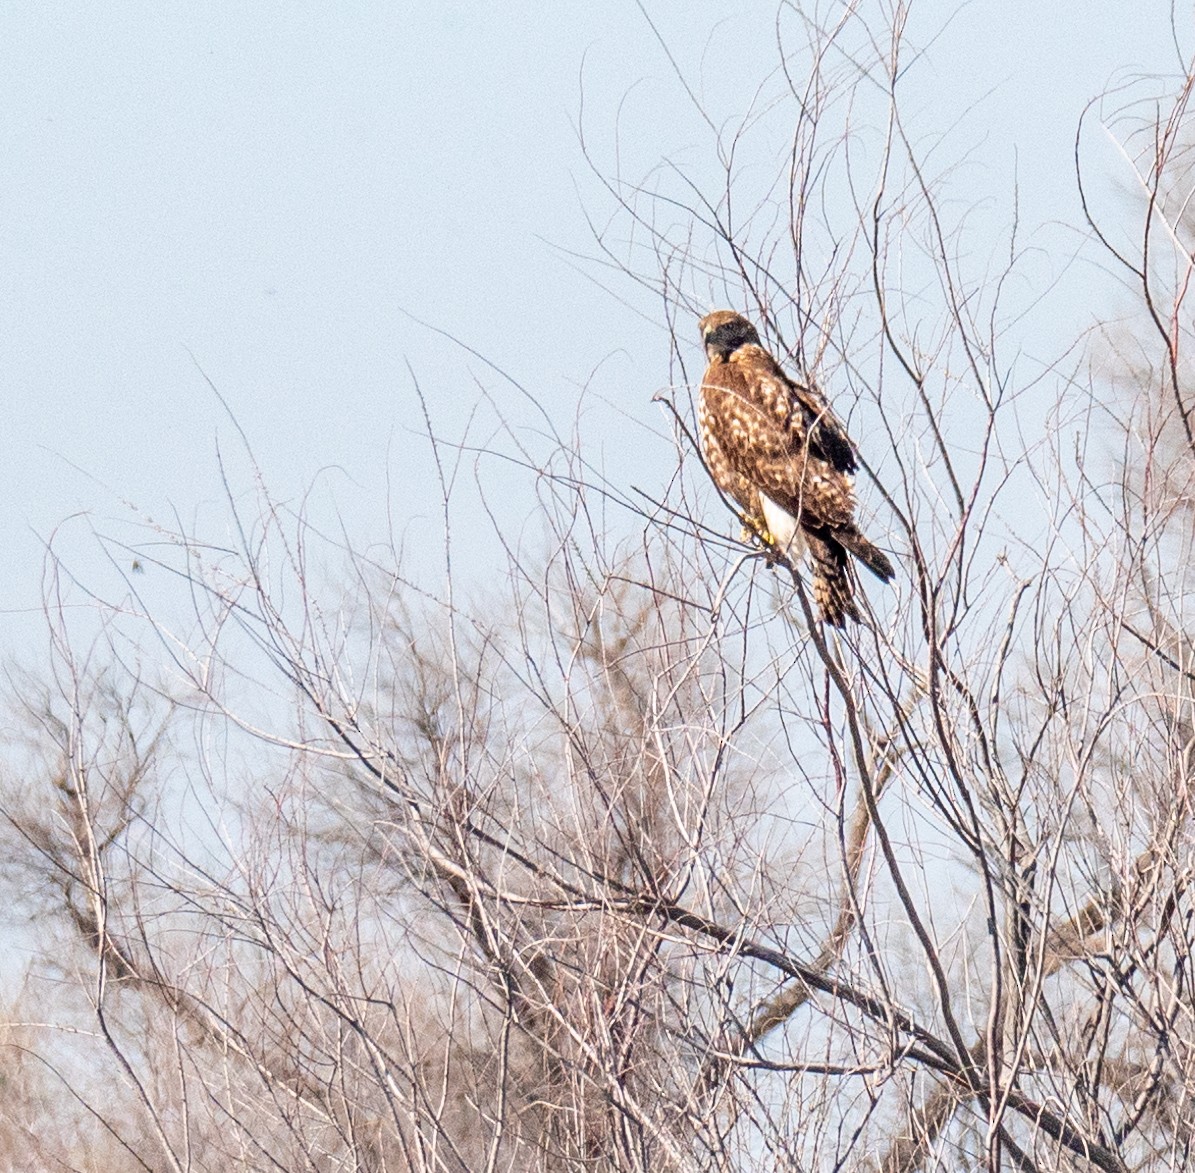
779 437
803 408
826 433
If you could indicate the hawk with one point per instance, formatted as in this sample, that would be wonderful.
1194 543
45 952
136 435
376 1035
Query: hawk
775 446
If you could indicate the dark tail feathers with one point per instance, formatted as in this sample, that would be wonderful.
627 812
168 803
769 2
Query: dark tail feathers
871 556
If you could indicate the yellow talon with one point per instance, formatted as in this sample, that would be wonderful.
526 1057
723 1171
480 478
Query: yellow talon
755 530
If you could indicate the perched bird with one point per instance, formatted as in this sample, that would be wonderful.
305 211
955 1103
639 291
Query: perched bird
775 446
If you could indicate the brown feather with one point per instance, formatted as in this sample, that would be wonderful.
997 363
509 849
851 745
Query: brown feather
764 433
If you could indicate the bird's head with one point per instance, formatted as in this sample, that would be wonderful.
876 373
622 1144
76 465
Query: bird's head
724 331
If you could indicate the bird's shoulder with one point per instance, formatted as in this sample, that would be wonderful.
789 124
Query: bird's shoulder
765 382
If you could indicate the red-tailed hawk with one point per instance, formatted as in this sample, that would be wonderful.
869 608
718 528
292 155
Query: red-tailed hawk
775 446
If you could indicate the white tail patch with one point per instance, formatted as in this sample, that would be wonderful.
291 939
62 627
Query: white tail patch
783 527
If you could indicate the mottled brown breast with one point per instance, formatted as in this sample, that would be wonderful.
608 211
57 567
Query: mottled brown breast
718 423
759 436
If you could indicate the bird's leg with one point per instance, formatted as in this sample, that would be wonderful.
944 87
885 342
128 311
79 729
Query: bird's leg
755 531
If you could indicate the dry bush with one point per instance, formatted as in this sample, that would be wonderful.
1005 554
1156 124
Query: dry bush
626 863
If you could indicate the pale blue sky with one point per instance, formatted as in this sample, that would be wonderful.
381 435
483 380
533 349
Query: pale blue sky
273 188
